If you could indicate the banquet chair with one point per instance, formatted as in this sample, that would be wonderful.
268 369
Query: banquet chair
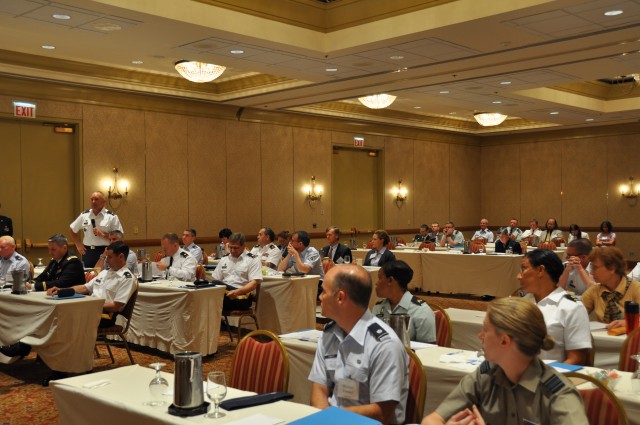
119 330
205 258
523 245
630 347
31 270
89 275
444 330
401 241
591 355
475 246
547 245
417 389
260 363
250 313
201 274
600 404
481 240
559 241
429 245
159 256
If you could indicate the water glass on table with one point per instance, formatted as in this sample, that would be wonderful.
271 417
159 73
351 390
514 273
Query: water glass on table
216 391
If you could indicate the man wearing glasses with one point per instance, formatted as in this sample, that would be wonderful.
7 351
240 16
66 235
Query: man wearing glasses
577 270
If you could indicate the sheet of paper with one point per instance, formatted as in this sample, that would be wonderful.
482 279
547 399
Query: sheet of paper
310 335
594 326
257 419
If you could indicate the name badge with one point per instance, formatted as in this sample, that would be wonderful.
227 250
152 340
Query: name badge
348 389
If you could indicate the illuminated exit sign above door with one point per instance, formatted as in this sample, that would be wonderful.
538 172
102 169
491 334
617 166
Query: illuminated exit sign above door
24 109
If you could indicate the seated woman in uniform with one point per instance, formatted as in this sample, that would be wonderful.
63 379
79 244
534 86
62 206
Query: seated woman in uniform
513 386
393 286
379 254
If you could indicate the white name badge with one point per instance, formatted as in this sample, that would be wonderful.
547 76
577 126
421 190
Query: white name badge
349 389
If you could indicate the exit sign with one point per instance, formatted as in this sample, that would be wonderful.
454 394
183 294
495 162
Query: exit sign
24 109
358 142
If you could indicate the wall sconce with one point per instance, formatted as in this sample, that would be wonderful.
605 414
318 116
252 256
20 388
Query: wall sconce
114 193
400 192
631 190
313 191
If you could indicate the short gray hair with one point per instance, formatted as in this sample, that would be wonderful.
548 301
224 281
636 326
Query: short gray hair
172 238
117 233
237 237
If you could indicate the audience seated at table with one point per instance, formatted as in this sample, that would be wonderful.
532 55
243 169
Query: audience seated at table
484 231
606 237
224 235
566 318
576 233
132 259
360 363
532 234
269 254
435 235
283 240
514 231
302 258
177 263
64 270
512 386
422 235
379 254
576 276
505 242
452 237
336 251
551 232
393 286
189 244
11 261
612 289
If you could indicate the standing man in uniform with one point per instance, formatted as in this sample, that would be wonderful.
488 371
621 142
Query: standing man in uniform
10 260
335 250
96 223
189 244
64 270
269 254
6 225
360 363
132 258
241 273
177 262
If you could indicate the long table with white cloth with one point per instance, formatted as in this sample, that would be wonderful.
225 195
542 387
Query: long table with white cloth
61 330
173 318
467 324
118 395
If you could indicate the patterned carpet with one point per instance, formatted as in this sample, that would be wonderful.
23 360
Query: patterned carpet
23 400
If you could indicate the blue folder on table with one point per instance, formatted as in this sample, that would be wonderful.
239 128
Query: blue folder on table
335 415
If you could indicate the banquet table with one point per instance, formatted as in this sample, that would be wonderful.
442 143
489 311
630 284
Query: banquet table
117 396
62 331
172 318
411 257
467 324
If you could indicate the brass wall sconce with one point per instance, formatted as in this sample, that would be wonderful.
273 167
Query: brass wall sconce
313 191
630 190
400 192
114 194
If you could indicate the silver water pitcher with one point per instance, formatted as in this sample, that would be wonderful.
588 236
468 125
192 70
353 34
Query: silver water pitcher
187 390
19 285
147 272
400 324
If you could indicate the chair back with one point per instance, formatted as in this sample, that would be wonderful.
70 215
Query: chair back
201 274
592 353
429 245
89 275
401 241
475 246
31 270
444 330
127 311
261 367
559 241
547 245
205 258
630 347
159 256
481 240
391 246
601 405
523 246
417 389
327 264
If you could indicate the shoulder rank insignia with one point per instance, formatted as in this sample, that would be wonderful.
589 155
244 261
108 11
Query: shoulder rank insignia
86 211
377 331
226 255
18 257
272 246
257 246
553 384
485 367
128 275
328 326
184 254
571 297
71 257
251 255
110 212
417 301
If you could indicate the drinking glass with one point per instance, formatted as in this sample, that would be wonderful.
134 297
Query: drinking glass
157 387
347 259
216 391
39 263
480 249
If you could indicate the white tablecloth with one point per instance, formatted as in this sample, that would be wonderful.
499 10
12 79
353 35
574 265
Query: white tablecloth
62 332
287 304
411 257
467 324
121 401
174 319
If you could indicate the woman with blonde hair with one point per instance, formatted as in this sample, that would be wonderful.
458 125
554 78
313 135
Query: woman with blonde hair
512 386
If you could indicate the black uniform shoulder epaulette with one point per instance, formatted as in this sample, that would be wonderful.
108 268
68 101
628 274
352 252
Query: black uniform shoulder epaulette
128 275
417 301
256 246
328 326
571 297
377 331
184 254
485 367
111 212
271 246
381 301
553 384
86 211
226 255
251 255
19 257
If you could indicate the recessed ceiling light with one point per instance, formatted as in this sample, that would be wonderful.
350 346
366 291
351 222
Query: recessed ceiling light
504 83
107 26
444 92
613 12
452 113
554 113
496 102
137 62
396 57
48 47
589 119
236 52
61 16
417 107
331 69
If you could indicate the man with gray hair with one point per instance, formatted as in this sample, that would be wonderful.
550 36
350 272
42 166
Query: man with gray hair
64 270
189 244
241 273
132 258
360 363
177 262
10 260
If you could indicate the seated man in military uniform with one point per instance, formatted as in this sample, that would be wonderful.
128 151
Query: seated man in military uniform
360 363
241 272
63 271
10 260
269 254
177 262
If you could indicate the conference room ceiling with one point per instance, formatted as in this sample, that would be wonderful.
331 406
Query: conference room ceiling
546 64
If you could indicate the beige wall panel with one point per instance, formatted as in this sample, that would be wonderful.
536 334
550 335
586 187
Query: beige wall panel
541 182
464 175
500 185
114 137
11 194
244 180
207 151
431 183
311 157
398 164
584 182
276 147
167 173
623 161
629 243
44 108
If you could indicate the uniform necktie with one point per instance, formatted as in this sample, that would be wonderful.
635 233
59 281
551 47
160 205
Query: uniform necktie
611 310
